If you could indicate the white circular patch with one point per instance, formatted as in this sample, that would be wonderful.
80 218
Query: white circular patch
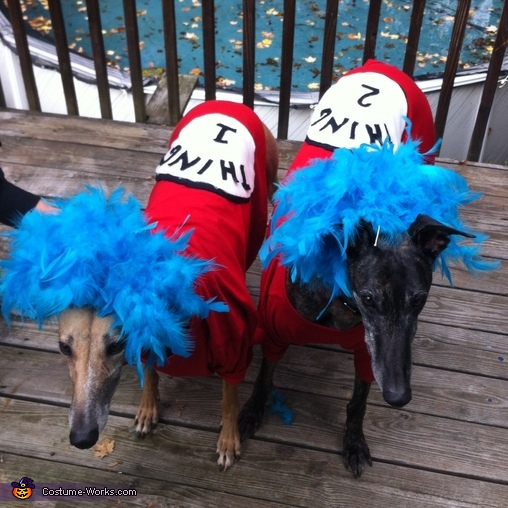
366 107
213 152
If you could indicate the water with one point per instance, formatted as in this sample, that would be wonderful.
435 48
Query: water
394 23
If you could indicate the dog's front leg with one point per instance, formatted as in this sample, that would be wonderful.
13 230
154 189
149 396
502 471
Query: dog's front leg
147 416
228 446
356 451
253 411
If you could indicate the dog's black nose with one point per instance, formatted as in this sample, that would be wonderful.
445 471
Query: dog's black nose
398 398
84 440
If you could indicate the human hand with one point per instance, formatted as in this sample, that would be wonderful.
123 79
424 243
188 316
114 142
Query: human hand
44 207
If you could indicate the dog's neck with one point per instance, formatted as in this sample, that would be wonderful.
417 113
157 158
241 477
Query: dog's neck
312 302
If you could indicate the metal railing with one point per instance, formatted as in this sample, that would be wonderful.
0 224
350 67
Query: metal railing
248 44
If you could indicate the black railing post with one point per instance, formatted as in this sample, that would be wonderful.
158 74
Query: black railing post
489 89
64 60
131 30
172 79
209 48
459 29
332 9
413 38
249 30
369 51
23 49
99 57
286 71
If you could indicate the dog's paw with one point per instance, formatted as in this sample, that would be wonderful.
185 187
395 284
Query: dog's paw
146 419
250 418
228 449
356 452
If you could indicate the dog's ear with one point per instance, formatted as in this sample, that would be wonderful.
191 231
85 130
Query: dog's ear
364 239
432 236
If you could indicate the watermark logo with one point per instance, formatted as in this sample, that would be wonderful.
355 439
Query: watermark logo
68 492
23 489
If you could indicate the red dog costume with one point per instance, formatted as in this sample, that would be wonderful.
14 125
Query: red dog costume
368 105
213 180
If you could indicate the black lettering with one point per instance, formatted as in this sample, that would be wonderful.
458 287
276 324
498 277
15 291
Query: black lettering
205 167
334 125
352 134
373 91
228 168
171 153
245 185
220 136
184 159
324 113
387 133
375 137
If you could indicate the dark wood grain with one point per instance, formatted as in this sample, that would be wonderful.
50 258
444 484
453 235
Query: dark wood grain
447 447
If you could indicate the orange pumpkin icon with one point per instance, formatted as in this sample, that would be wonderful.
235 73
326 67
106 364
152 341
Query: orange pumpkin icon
23 489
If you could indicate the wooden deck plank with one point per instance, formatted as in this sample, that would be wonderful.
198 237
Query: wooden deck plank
436 345
444 404
315 477
157 493
453 395
79 130
95 163
446 448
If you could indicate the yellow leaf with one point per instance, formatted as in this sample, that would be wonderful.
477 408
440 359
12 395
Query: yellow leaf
104 449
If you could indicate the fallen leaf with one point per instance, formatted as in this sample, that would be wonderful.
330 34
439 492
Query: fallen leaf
104 449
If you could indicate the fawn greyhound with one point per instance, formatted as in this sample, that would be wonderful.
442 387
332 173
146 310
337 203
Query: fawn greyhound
350 283
212 187
228 215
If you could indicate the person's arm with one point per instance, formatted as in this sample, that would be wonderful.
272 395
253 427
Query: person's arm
15 202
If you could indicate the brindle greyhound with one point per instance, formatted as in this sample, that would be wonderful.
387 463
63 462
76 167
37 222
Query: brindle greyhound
389 285
389 280
95 360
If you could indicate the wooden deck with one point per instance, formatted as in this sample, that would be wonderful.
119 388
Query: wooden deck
448 447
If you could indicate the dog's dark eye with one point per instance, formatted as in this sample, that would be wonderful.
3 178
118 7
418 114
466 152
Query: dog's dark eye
368 300
115 347
65 349
419 300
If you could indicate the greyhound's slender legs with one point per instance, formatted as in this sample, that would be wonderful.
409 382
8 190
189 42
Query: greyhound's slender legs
252 412
147 416
356 451
228 446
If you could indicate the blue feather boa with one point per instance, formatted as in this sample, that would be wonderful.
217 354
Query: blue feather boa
99 252
318 209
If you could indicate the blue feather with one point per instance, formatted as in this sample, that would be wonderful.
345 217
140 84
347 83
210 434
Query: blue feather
318 210
100 252
278 406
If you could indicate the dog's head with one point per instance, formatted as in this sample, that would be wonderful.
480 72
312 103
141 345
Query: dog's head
95 357
390 284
